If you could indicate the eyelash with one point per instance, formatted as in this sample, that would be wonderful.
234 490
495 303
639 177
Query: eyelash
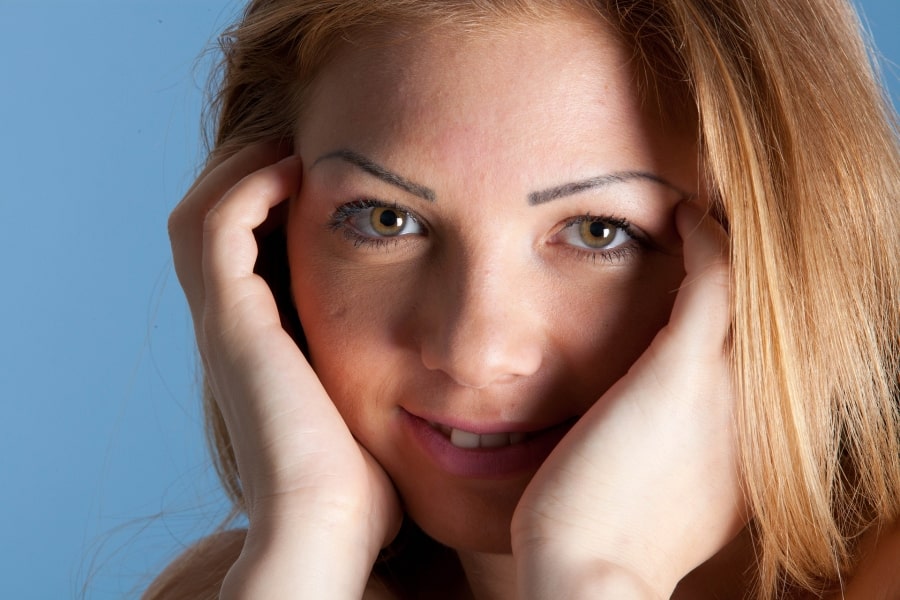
627 249
339 222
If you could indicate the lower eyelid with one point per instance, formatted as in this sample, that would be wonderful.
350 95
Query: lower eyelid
615 255
359 240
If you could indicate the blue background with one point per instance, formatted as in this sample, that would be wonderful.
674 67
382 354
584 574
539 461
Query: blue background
103 470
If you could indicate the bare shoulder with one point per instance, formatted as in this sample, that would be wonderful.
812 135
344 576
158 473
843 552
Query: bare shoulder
198 572
878 574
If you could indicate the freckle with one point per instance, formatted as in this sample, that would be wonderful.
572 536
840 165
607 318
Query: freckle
336 311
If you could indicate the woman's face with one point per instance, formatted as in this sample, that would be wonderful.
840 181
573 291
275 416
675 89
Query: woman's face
483 244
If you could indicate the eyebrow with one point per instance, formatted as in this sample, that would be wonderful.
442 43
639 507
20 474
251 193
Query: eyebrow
576 187
534 198
373 168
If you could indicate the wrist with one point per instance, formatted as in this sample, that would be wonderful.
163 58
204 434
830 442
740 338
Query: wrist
604 580
361 516
316 554
575 570
591 580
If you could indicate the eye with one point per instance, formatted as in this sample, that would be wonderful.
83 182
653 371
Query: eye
373 220
595 233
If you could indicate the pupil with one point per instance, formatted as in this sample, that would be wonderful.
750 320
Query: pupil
389 218
599 230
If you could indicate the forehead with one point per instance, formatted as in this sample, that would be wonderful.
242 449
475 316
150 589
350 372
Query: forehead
516 64
507 89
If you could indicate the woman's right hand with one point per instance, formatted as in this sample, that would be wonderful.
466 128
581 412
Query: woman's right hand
319 506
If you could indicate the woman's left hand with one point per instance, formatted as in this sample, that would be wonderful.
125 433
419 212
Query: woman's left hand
646 486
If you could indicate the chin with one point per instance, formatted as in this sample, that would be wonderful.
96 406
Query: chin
476 523
487 538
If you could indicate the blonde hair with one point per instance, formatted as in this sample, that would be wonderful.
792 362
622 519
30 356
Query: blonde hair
800 149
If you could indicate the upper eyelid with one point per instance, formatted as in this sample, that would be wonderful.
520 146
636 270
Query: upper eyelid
625 225
348 209
368 203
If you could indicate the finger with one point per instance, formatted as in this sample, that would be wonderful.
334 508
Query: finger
247 159
229 244
186 220
701 316
276 219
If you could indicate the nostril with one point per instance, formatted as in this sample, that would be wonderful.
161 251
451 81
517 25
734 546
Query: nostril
481 370
481 335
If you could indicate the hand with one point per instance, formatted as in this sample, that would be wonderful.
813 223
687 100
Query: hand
646 486
302 473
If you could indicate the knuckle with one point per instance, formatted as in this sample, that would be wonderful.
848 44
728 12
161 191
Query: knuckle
215 220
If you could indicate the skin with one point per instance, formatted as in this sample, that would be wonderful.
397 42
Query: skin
490 317
501 320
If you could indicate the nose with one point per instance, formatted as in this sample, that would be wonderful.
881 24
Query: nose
478 323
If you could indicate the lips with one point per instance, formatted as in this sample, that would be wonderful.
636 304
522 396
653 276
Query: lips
491 454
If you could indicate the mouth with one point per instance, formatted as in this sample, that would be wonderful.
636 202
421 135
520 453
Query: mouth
497 452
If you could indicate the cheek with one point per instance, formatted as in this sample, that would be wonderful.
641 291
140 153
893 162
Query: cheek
606 328
349 319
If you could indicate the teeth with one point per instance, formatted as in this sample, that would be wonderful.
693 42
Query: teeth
468 440
464 439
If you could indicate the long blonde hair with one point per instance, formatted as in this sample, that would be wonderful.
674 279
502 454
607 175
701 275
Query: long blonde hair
799 146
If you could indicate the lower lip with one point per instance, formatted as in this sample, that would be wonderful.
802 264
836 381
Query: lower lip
484 463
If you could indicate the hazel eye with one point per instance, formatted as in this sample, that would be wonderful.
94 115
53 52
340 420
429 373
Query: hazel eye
373 220
387 221
595 233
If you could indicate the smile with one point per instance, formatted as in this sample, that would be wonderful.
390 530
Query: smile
469 440
488 455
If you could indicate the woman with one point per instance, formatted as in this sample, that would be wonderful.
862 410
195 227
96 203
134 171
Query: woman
597 299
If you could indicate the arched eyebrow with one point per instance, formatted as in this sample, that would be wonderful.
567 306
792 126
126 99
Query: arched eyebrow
576 187
534 198
373 168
